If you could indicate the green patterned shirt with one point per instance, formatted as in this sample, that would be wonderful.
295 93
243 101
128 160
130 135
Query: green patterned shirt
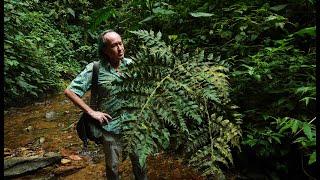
82 83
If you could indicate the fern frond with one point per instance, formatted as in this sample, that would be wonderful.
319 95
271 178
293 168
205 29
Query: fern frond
176 98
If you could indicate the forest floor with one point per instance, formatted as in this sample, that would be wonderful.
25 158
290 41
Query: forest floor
49 126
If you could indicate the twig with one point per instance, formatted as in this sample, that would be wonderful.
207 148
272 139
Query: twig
71 125
308 123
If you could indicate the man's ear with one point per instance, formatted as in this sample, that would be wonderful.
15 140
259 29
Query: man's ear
105 51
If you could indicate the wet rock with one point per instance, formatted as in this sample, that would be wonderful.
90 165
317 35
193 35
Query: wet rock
27 152
67 170
16 166
51 115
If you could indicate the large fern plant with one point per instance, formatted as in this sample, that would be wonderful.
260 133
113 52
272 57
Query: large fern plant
176 101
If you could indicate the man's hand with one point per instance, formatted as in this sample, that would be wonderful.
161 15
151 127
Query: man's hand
100 116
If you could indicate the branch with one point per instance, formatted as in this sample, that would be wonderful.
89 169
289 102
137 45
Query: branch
308 123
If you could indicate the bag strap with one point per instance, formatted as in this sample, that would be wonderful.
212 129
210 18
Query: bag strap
94 85
81 125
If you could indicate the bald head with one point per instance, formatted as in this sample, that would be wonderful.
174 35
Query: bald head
109 35
111 47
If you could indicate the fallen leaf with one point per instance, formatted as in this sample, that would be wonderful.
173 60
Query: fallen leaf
75 157
23 149
66 152
65 161
41 140
7 154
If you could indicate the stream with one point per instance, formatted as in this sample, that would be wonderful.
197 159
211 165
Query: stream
49 126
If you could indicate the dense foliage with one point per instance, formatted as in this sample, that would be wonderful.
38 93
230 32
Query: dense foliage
261 54
41 49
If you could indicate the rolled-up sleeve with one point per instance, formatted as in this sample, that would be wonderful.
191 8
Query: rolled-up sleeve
82 83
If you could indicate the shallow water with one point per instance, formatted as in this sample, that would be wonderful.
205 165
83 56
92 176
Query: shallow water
49 126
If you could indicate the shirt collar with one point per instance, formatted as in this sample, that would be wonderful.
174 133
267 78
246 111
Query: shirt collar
108 67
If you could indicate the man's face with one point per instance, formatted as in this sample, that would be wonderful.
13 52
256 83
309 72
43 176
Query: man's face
115 48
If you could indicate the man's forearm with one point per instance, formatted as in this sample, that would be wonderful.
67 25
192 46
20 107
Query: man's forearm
78 101
100 116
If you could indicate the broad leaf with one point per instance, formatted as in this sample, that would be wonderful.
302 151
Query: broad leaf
162 11
201 14
312 158
311 31
71 11
307 131
279 7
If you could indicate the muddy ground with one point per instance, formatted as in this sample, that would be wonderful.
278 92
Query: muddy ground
48 126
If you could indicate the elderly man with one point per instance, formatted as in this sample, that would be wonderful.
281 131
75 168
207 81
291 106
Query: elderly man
111 50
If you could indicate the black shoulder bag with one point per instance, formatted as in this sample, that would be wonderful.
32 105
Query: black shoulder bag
82 127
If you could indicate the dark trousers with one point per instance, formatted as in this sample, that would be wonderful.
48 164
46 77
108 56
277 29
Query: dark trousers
113 155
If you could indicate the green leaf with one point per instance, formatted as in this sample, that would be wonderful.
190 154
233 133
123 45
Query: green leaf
307 131
173 37
280 25
162 11
271 18
295 126
307 99
312 158
279 7
11 62
253 37
6 19
257 77
101 15
305 89
276 139
51 45
226 34
159 34
146 19
52 11
311 31
71 11
201 14
238 37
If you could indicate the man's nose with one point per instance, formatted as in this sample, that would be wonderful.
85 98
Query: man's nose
120 48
